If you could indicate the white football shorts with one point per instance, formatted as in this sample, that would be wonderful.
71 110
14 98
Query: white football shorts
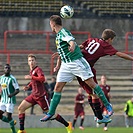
79 67
7 107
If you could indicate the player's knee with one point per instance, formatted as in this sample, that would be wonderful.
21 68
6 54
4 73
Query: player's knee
20 109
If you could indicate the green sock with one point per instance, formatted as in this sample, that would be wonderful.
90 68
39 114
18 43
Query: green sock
12 126
101 95
54 102
5 119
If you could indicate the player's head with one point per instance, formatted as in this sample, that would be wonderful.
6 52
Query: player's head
55 21
7 69
108 35
80 90
53 79
103 79
32 61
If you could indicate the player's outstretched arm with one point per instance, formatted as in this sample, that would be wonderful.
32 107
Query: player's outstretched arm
124 55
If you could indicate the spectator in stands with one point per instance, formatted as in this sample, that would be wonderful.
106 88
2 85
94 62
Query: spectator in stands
73 64
52 85
79 108
9 90
129 113
38 96
106 90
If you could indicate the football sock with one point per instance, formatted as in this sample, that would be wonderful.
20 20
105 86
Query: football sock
12 126
97 107
5 119
106 124
21 121
61 120
91 105
54 102
81 123
74 121
101 95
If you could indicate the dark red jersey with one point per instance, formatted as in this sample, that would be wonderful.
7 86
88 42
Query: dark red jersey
94 48
37 82
79 106
106 90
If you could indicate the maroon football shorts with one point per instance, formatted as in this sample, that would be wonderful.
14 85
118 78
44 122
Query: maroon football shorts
79 113
41 101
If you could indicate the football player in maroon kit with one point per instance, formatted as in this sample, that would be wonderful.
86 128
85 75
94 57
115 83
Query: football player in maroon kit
106 90
38 96
79 108
93 49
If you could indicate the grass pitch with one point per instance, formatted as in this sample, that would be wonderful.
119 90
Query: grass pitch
63 130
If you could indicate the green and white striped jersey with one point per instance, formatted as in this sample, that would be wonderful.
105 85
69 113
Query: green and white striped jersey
8 86
63 37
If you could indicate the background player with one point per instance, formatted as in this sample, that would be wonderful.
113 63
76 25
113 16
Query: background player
106 90
38 96
79 108
9 90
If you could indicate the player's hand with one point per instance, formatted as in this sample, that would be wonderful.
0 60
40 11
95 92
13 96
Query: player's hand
10 95
56 69
55 55
27 77
81 46
25 88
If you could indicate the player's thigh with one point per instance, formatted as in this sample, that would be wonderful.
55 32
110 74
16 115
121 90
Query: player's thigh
24 105
59 86
90 82
43 102
85 86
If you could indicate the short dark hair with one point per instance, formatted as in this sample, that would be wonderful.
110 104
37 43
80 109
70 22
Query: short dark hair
56 19
108 33
32 55
7 65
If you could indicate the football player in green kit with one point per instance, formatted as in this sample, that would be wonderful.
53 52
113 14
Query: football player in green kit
72 64
9 89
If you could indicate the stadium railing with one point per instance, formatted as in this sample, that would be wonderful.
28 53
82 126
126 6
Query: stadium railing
24 42
128 35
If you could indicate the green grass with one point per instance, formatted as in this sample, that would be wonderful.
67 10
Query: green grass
63 130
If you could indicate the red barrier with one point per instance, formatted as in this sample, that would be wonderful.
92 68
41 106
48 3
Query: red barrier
47 50
127 43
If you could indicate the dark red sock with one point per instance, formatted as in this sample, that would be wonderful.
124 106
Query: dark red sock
21 121
62 120
97 107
